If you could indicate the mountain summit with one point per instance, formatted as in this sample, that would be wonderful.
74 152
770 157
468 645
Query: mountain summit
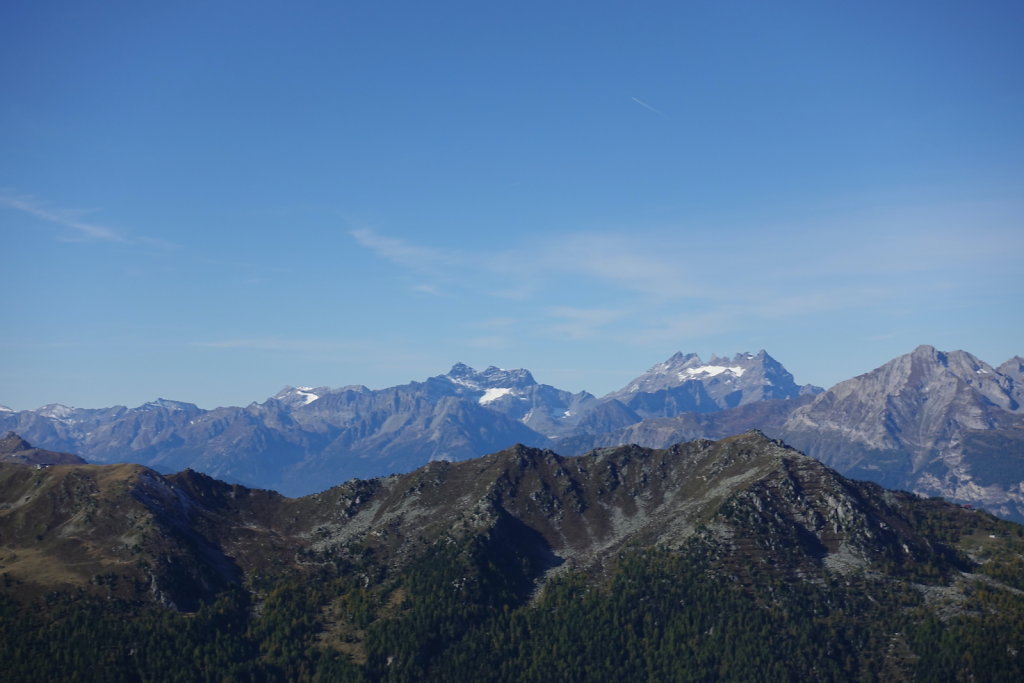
718 383
549 411
491 378
930 421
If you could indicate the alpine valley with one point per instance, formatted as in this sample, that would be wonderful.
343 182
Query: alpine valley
934 423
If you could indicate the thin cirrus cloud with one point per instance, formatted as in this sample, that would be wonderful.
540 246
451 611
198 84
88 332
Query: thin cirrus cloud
493 274
647 106
80 230
64 217
518 274
404 253
663 287
427 288
619 261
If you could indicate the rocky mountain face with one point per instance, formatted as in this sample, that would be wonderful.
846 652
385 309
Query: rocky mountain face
462 570
1014 370
915 423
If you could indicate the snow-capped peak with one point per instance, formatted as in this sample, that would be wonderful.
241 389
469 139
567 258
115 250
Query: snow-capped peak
55 410
300 396
744 377
5 409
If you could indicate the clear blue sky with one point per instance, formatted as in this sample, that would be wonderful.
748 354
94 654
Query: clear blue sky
206 201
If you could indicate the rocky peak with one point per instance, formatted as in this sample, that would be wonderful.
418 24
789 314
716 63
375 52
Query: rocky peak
490 378
898 419
168 404
13 448
1013 368
12 443
937 373
677 370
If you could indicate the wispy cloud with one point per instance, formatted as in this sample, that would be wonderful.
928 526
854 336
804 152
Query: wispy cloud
652 286
518 274
67 218
80 229
623 261
647 106
495 274
427 288
402 252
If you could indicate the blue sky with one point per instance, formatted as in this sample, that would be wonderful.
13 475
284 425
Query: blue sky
206 201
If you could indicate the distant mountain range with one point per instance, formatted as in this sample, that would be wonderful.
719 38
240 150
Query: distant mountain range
936 423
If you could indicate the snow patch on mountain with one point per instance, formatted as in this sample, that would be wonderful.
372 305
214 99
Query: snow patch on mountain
300 396
709 371
306 394
491 395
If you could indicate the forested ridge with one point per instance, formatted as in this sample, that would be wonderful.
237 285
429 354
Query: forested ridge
782 571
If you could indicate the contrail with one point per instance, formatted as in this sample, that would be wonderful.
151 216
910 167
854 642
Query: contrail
647 106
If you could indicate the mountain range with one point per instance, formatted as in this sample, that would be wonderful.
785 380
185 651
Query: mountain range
739 558
931 422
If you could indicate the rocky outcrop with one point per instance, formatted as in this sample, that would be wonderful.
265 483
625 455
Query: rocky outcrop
13 448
